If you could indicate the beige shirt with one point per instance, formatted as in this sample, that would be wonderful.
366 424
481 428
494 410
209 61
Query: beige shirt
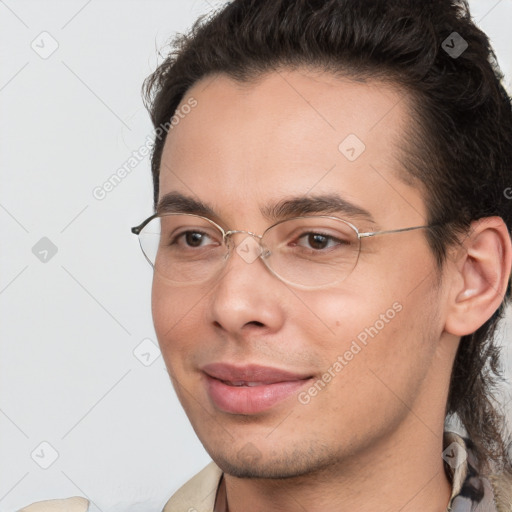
199 493
67 505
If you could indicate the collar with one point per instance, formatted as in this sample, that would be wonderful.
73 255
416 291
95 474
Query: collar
471 491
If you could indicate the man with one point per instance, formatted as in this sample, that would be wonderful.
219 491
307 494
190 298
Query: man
331 251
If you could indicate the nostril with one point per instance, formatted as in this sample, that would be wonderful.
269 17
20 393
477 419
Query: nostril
255 322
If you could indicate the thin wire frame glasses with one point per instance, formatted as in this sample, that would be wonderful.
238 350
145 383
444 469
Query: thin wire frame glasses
307 252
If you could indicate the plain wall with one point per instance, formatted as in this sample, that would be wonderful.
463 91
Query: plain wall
71 321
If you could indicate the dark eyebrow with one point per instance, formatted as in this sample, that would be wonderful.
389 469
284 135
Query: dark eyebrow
323 204
175 202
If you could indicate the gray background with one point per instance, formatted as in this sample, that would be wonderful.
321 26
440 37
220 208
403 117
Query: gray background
73 371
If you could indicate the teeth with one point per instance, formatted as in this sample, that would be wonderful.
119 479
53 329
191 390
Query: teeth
240 383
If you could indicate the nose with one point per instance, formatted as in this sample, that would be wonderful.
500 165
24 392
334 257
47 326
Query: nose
247 297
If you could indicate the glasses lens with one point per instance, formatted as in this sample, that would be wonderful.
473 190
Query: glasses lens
183 248
312 251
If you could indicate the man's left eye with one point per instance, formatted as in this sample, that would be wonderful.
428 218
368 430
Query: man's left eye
319 241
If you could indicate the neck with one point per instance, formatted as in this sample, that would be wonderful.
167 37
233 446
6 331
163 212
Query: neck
403 472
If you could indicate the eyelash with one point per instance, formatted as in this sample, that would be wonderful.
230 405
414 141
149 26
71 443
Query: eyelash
330 238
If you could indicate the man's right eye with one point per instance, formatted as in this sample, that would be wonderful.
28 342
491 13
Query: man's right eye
192 239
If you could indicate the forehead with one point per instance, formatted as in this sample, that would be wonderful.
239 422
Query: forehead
290 133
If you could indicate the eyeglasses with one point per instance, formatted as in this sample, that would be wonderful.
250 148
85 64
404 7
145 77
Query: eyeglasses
307 252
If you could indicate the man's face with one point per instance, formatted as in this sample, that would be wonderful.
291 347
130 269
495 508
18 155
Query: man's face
242 148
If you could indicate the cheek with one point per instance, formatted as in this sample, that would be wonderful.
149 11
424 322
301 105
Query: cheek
386 328
348 314
176 311
381 349
162 308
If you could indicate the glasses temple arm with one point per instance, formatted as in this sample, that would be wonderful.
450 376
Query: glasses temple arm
401 230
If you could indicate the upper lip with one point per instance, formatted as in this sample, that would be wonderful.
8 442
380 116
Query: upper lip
250 373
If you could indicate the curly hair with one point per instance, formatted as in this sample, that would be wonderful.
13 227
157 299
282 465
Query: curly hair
458 149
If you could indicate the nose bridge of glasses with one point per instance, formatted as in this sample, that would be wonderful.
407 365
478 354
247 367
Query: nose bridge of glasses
235 231
249 248
229 235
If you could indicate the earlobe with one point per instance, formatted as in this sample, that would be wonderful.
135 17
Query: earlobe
483 270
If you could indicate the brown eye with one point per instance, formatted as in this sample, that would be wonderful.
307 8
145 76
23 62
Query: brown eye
319 241
193 238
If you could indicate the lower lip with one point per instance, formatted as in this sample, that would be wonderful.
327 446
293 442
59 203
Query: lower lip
250 400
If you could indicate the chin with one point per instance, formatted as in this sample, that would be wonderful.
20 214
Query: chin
250 462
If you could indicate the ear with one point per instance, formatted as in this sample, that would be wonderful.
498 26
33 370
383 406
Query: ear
480 275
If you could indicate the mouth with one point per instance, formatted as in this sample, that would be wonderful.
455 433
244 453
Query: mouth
244 384
250 389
